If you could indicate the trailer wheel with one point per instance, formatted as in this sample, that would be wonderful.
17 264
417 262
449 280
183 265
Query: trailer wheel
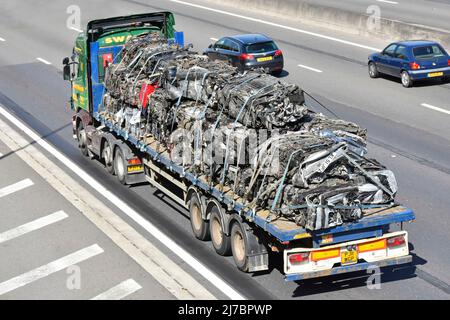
120 166
220 241
107 156
239 247
82 139
200 227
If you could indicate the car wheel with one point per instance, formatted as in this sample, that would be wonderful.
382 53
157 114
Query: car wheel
373 70
277 73
406 79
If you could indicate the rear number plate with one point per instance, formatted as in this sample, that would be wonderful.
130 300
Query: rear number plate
349 257
264 59
435 74
135 168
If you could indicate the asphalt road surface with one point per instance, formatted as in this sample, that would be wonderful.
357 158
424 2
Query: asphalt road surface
410 138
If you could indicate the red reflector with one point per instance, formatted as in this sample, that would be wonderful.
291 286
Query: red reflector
246 56
134 161
298 257
278 53
396 241
414 65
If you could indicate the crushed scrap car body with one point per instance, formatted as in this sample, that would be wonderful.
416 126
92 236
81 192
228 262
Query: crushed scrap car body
257 169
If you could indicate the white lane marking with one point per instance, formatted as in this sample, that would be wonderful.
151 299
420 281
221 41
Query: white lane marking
106 220
32 226
43 60
1 154
214 39
120 291
386 1
314 34
2 40
50 268
429 106
76 29
15 187
309 68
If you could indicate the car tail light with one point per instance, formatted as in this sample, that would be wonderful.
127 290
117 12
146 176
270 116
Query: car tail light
299 257
448 62
279 53
396 241
134 161
246 56
414 65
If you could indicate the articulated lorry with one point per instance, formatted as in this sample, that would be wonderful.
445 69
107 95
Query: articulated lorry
259 172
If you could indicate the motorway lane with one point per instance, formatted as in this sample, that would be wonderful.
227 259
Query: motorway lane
47 92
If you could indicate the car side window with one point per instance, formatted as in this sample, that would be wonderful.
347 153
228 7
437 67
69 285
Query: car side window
228 45
234 46
390 50
220 44
400 53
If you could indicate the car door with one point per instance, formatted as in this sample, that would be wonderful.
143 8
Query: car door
234 52
385 59
225 52
397 62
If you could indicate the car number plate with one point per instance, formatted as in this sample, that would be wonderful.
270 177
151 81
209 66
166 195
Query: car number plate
135 168
264 59
349 257
435 74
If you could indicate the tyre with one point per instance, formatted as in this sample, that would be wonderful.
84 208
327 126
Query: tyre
277 73
239 247
406 79
82 139
107 157
220 241
200 227
120 166
373 70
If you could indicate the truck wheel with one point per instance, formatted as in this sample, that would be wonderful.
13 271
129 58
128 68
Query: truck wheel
120 166
107 156
239 247
82 139
220 241
200 227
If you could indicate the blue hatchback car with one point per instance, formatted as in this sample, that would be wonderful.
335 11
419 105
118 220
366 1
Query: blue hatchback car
410 61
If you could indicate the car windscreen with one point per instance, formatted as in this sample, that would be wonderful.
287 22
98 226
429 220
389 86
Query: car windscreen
261 47
429 52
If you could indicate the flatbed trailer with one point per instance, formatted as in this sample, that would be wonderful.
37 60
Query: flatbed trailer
216 212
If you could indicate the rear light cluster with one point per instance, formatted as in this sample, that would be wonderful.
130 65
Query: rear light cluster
297 258
448 62
246 56
414 65
134 161
278 53
395 241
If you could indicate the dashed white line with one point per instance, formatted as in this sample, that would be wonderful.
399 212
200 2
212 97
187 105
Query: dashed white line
50 268
32 226
314 34
309 68
2 40
43 60
429 106
214 39
165 240
120 291
386 1
15 187
76 29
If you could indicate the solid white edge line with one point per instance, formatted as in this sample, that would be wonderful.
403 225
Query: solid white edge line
43 60
201 269
214 39
386 1
50 268
314 34
120 291
32 226
25 183
309 68
75 29
2 40
429 106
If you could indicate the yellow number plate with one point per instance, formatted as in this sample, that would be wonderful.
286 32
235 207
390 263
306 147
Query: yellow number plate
349 257
264 59
135 168
435 74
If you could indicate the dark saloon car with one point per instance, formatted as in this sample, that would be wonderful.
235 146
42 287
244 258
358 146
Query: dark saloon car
248 51
410 61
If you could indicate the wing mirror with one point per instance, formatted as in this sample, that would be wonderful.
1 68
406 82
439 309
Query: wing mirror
66 69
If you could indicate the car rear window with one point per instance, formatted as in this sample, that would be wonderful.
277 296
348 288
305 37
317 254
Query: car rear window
428 52
261 47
